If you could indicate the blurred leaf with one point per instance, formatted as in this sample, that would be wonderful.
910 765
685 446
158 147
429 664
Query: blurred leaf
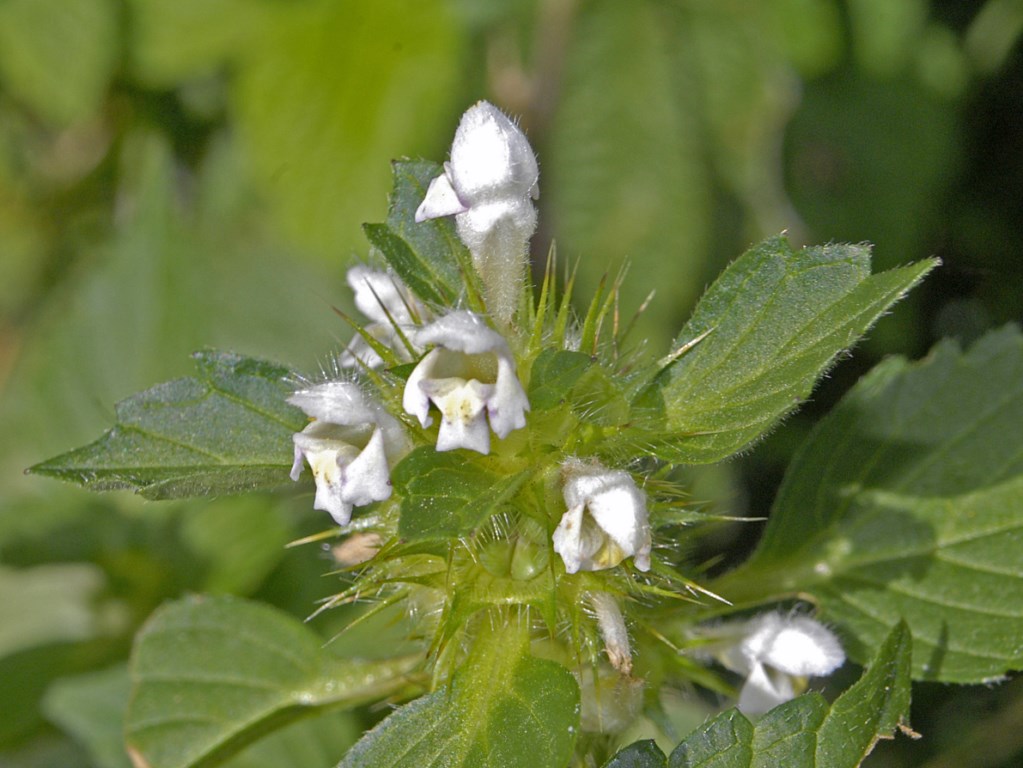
322 91
91 707
804 732
59 55
227 430
774 323
54 623
425 255
505 708
907 502
211 675
624 171
48 604
171 277
451 493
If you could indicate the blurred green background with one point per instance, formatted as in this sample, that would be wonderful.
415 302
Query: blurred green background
185 173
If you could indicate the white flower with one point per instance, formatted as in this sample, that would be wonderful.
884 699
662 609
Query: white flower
470 376
776 653
606 520
489 186
348 446
390 306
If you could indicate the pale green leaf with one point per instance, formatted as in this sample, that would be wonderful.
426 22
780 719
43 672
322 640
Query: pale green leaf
505 708
773 322
211 675
227 429
451 493
805 732
59 55
907 502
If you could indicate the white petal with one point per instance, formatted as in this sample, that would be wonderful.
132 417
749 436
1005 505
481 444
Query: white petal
804 647
414 400
379 293
507 407
568 540
763 691
367 477
617 506
462 404
441 200
491 157
336 402
462 331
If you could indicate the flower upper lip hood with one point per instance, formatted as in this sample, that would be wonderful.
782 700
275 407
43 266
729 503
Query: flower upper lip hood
349 446
491 161
606 520
470 376
776 652
489 186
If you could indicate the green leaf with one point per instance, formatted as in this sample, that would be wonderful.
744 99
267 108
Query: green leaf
873 708
58 55
449 494
211 675
426 255
227 429
907 502
804 732
639 754
774 321
554 373
504 708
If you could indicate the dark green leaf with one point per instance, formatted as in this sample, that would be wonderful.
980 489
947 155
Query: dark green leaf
774 322
907 502
505 708
873 708
427 255
725 741
639 754
554 373
227 429
449 494
804 732
211 675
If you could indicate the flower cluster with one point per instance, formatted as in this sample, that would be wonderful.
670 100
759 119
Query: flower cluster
477 370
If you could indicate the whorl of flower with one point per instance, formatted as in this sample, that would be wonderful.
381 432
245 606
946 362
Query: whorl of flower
489 186
470 376
606 520
777 652
389 304
349 445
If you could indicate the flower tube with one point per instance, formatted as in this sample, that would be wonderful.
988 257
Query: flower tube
489 186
